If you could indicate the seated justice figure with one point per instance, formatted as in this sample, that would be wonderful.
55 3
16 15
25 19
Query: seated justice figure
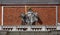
30 18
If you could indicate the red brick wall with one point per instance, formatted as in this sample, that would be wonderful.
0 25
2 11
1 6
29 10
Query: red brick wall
11 15
59 14
47 15
0 15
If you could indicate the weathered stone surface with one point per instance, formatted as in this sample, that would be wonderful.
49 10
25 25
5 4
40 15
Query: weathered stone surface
29 1
30 32
3 32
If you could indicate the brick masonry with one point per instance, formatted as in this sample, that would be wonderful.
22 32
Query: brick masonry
59 14
47 15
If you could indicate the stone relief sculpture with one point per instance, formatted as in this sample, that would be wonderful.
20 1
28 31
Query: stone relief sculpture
30 18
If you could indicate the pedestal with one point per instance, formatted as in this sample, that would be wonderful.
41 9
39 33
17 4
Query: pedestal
43 28
0 27
29 28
